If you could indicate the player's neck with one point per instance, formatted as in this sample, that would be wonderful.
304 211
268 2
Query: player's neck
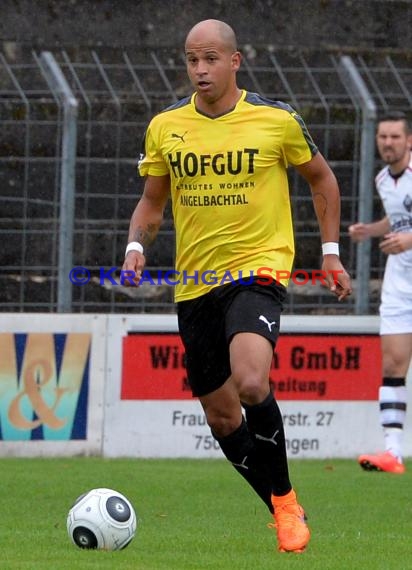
400 166
220 107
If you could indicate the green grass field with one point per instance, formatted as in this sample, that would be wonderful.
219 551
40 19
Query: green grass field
199 514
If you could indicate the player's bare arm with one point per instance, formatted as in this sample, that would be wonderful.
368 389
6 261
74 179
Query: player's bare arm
361 231
145 222
326 201
325 195
396 242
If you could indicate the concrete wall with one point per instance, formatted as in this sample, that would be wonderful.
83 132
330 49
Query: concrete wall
132 23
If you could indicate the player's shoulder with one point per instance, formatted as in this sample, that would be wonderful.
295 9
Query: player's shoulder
382 175
173 108
279 111
258 100
178 105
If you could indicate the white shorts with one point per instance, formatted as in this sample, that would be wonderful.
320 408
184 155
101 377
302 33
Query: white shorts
396 314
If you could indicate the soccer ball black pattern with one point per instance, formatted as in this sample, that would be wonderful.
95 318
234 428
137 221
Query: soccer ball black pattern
102 519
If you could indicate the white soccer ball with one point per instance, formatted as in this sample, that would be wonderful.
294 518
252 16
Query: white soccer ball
102 519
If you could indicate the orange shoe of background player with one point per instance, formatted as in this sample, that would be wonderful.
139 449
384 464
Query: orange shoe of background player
291 528
382 462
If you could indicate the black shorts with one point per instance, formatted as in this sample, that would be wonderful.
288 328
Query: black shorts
208 323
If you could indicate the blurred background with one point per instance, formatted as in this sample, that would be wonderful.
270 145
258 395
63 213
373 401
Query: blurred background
79 81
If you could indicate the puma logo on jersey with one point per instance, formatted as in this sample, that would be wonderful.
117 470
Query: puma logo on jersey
181 137
269 324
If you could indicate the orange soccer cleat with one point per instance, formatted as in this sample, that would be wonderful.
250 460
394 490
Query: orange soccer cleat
291 528
382 462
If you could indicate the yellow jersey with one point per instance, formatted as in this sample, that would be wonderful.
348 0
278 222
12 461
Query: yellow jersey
229 188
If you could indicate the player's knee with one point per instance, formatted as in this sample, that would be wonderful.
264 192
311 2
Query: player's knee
394 365
222 425
253 389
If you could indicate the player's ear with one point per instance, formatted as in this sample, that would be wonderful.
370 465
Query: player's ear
236 60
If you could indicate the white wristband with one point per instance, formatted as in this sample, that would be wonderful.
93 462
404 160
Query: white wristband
134 246
330 247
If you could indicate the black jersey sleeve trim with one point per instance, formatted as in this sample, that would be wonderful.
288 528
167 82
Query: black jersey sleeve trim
143 143
179 104
256 99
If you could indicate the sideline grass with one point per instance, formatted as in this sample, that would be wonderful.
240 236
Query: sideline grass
199 514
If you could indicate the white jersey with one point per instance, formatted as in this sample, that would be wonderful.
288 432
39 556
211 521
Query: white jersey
396 196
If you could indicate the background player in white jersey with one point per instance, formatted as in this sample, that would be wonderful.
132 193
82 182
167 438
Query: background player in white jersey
394 185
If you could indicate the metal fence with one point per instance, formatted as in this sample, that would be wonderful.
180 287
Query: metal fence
70 132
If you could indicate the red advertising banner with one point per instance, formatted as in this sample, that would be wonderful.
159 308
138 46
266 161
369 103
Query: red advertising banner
305 367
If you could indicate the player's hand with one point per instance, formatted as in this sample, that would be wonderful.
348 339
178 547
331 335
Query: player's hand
337 278
133 265
394 243
358 232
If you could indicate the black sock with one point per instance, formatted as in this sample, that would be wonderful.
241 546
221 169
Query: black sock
265 423
395 382
240 449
